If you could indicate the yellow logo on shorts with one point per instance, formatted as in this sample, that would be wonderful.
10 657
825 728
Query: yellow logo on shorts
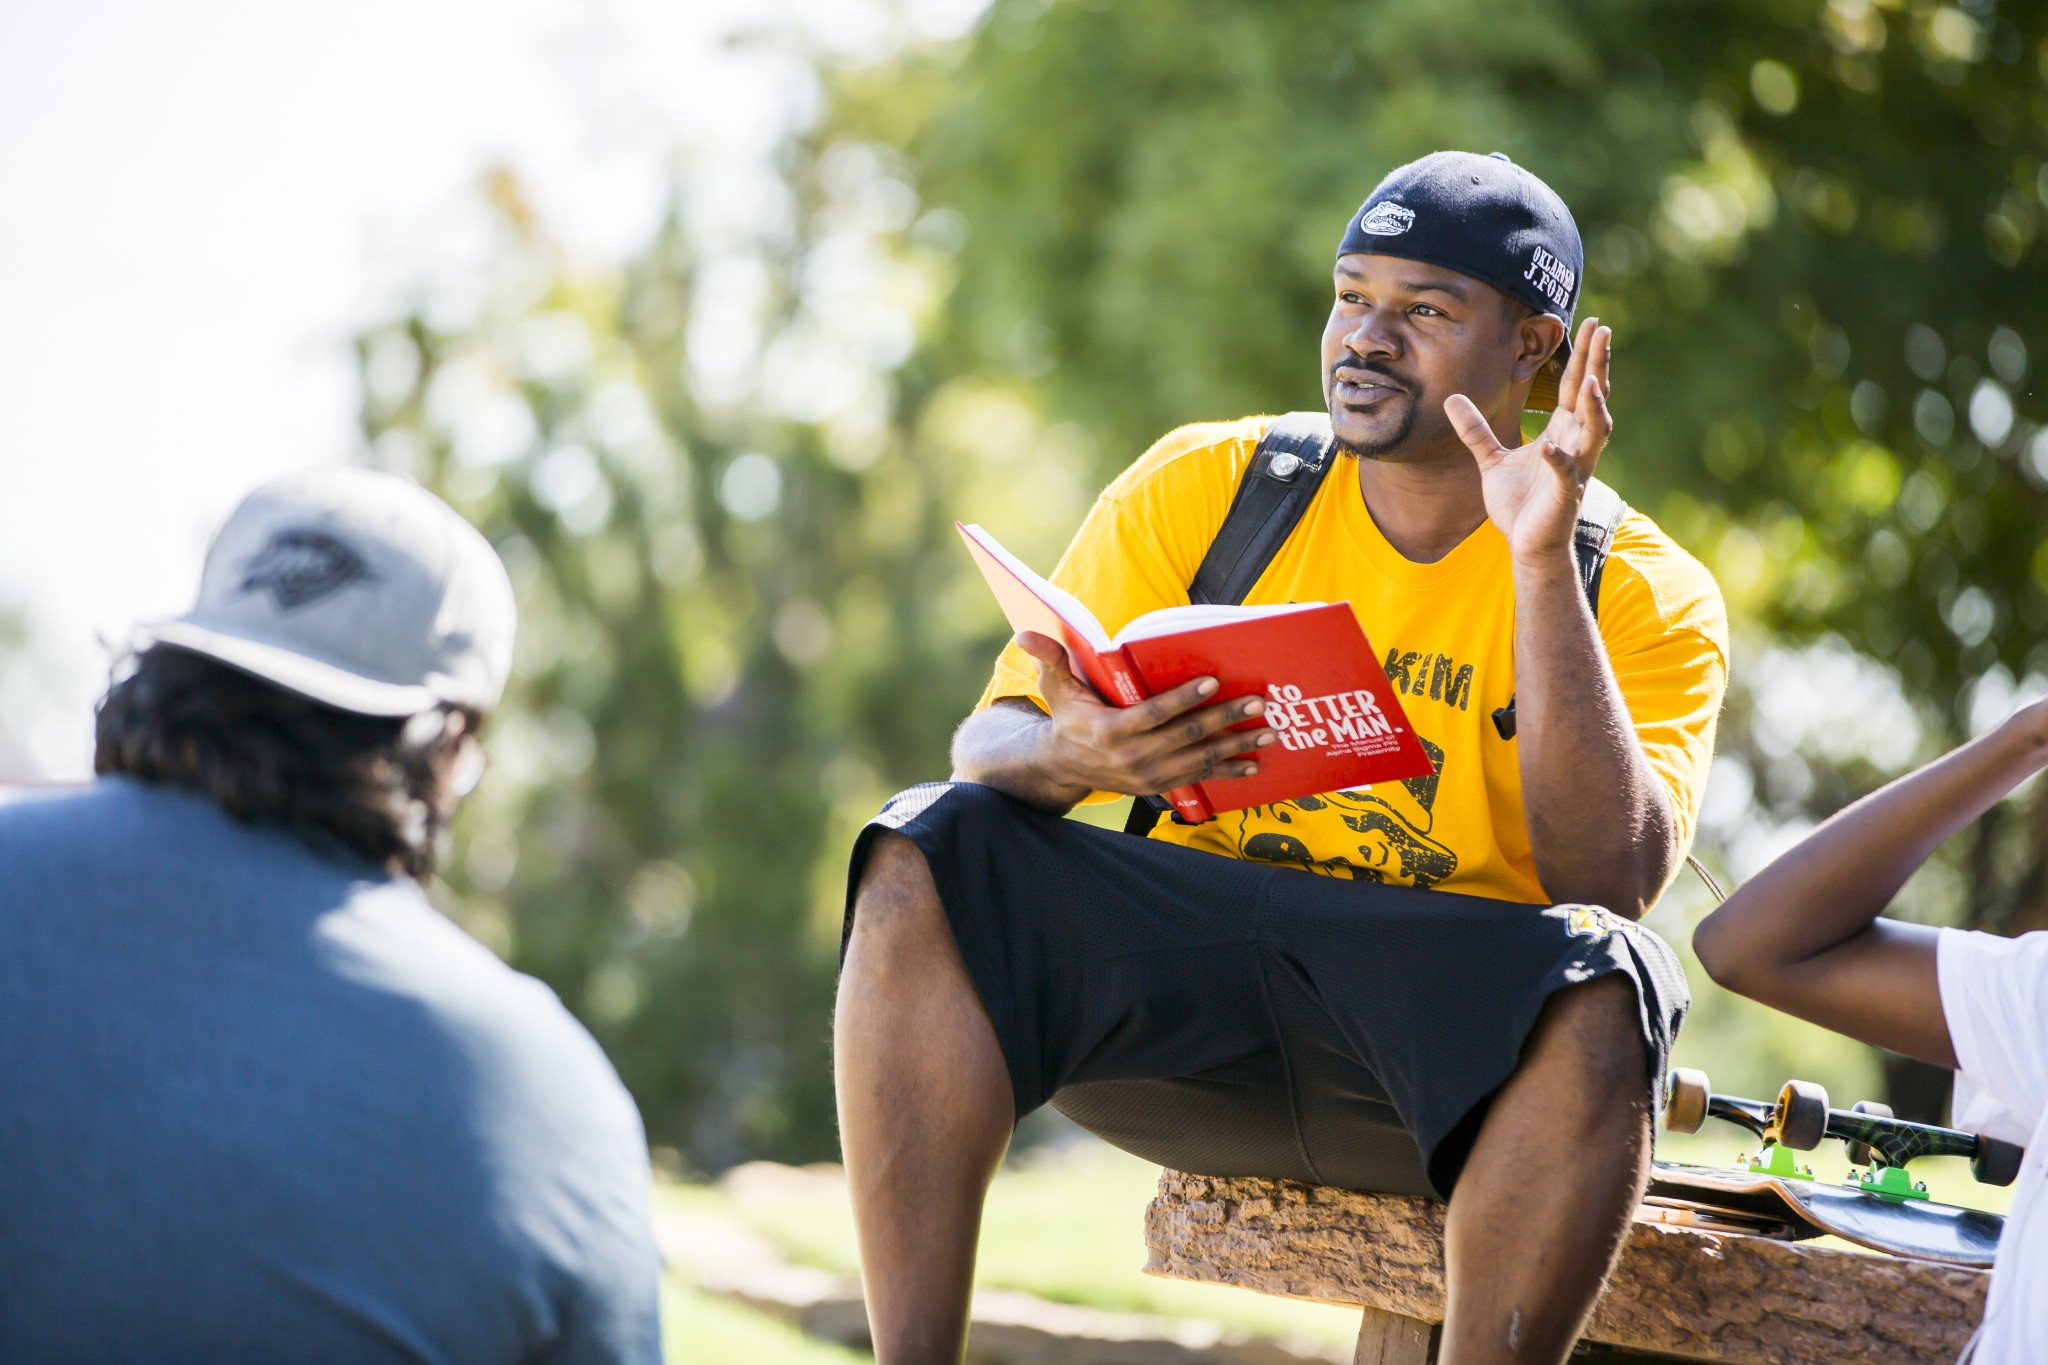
1587 921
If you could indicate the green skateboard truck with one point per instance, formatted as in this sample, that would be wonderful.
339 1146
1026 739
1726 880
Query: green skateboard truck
1771 1195
1801 1120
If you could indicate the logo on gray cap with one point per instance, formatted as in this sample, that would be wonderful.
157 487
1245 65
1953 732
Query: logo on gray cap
298 566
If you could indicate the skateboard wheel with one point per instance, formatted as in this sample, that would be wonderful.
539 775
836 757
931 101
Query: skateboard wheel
1861 1153
1996 1162
1685 1100
1802 1118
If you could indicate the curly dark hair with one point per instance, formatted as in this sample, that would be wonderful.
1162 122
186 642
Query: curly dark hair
365 784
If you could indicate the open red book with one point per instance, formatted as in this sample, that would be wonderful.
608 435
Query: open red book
1338 722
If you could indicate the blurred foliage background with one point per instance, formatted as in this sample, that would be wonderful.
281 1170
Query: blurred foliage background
723 471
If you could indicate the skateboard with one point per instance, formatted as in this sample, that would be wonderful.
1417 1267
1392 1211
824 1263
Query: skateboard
1770 1194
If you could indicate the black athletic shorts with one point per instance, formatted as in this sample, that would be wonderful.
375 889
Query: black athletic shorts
1234 1018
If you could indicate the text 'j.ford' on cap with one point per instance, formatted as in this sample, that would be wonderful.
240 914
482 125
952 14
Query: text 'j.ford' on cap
1482 216
357 589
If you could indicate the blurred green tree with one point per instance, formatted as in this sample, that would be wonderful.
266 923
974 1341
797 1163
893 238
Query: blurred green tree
742 617
1813 226
723 470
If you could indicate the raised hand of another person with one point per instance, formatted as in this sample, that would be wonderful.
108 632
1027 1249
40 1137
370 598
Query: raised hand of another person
1167 741
1532 492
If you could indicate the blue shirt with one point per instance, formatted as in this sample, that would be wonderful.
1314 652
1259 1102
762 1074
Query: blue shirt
257 1103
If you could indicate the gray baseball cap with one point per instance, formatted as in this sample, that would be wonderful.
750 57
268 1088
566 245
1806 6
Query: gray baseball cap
357 589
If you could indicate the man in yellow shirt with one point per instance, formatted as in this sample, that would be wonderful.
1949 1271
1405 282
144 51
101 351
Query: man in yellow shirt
1457 1000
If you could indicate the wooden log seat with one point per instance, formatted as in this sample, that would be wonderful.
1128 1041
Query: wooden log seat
1680 1293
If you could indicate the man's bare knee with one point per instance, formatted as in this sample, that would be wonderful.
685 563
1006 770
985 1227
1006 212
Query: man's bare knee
897 898
1593 1033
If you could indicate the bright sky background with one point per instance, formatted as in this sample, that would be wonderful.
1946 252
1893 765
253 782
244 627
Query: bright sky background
200 201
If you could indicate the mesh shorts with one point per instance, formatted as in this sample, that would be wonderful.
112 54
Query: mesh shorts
1235 1018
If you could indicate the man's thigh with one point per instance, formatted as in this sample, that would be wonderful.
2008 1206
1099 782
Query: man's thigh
1322 1120
1232 1018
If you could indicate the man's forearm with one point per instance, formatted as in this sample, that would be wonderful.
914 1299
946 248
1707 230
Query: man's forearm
1840 878
1600 825
1804 935
1003 747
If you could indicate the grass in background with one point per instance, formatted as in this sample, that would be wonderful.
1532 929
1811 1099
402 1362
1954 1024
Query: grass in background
697 1329
1067 1226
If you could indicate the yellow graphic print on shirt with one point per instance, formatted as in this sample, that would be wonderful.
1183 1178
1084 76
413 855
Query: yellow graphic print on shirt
1394 844
1446 633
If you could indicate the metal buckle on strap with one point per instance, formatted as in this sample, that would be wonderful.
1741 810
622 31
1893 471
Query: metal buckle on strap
1284 466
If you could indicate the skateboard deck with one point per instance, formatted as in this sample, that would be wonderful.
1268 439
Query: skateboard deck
1737 1198
1883 1208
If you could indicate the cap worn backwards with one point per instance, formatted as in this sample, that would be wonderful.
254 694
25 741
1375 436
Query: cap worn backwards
357 589
1482 216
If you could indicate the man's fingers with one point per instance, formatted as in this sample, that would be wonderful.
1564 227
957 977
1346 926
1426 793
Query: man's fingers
1575 367
1471 427
1194 742
1194 727
1158 710
1593 413
1043 648
1181 729
1598 354
1596 424
1234 753
1571 481
1056 680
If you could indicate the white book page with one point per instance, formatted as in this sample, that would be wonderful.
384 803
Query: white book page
1063 603
1174 620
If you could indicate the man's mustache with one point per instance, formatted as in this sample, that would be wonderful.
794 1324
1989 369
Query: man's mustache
1368 374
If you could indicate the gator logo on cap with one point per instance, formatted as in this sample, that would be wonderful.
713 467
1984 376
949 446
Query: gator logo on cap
298 566
1387 220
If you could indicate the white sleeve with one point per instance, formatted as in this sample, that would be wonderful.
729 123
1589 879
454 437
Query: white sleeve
1994 995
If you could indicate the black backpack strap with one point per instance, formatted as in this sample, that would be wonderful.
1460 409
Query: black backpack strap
1286 470
1600 512
1288 467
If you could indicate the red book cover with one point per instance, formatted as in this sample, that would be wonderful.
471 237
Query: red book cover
1339 724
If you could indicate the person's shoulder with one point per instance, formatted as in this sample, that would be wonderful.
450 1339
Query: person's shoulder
59 802
1198 455
2023 956
117 827
24 806
513 1024
1679 590
555 1071
109 811
391 935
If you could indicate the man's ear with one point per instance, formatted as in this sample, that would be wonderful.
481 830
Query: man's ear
1537 338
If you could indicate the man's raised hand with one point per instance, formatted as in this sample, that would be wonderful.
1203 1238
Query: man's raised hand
1167 741
1532 492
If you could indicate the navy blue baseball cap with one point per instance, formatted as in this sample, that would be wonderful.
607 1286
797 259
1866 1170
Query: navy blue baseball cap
1486 217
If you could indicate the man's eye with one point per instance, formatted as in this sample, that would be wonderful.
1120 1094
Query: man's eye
1426 311
1347 297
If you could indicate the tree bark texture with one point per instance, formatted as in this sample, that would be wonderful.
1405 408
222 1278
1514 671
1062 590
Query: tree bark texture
1688 1292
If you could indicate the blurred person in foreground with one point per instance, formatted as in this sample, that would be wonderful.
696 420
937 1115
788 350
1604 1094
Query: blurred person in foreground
1806 936
262 1102
1426 987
